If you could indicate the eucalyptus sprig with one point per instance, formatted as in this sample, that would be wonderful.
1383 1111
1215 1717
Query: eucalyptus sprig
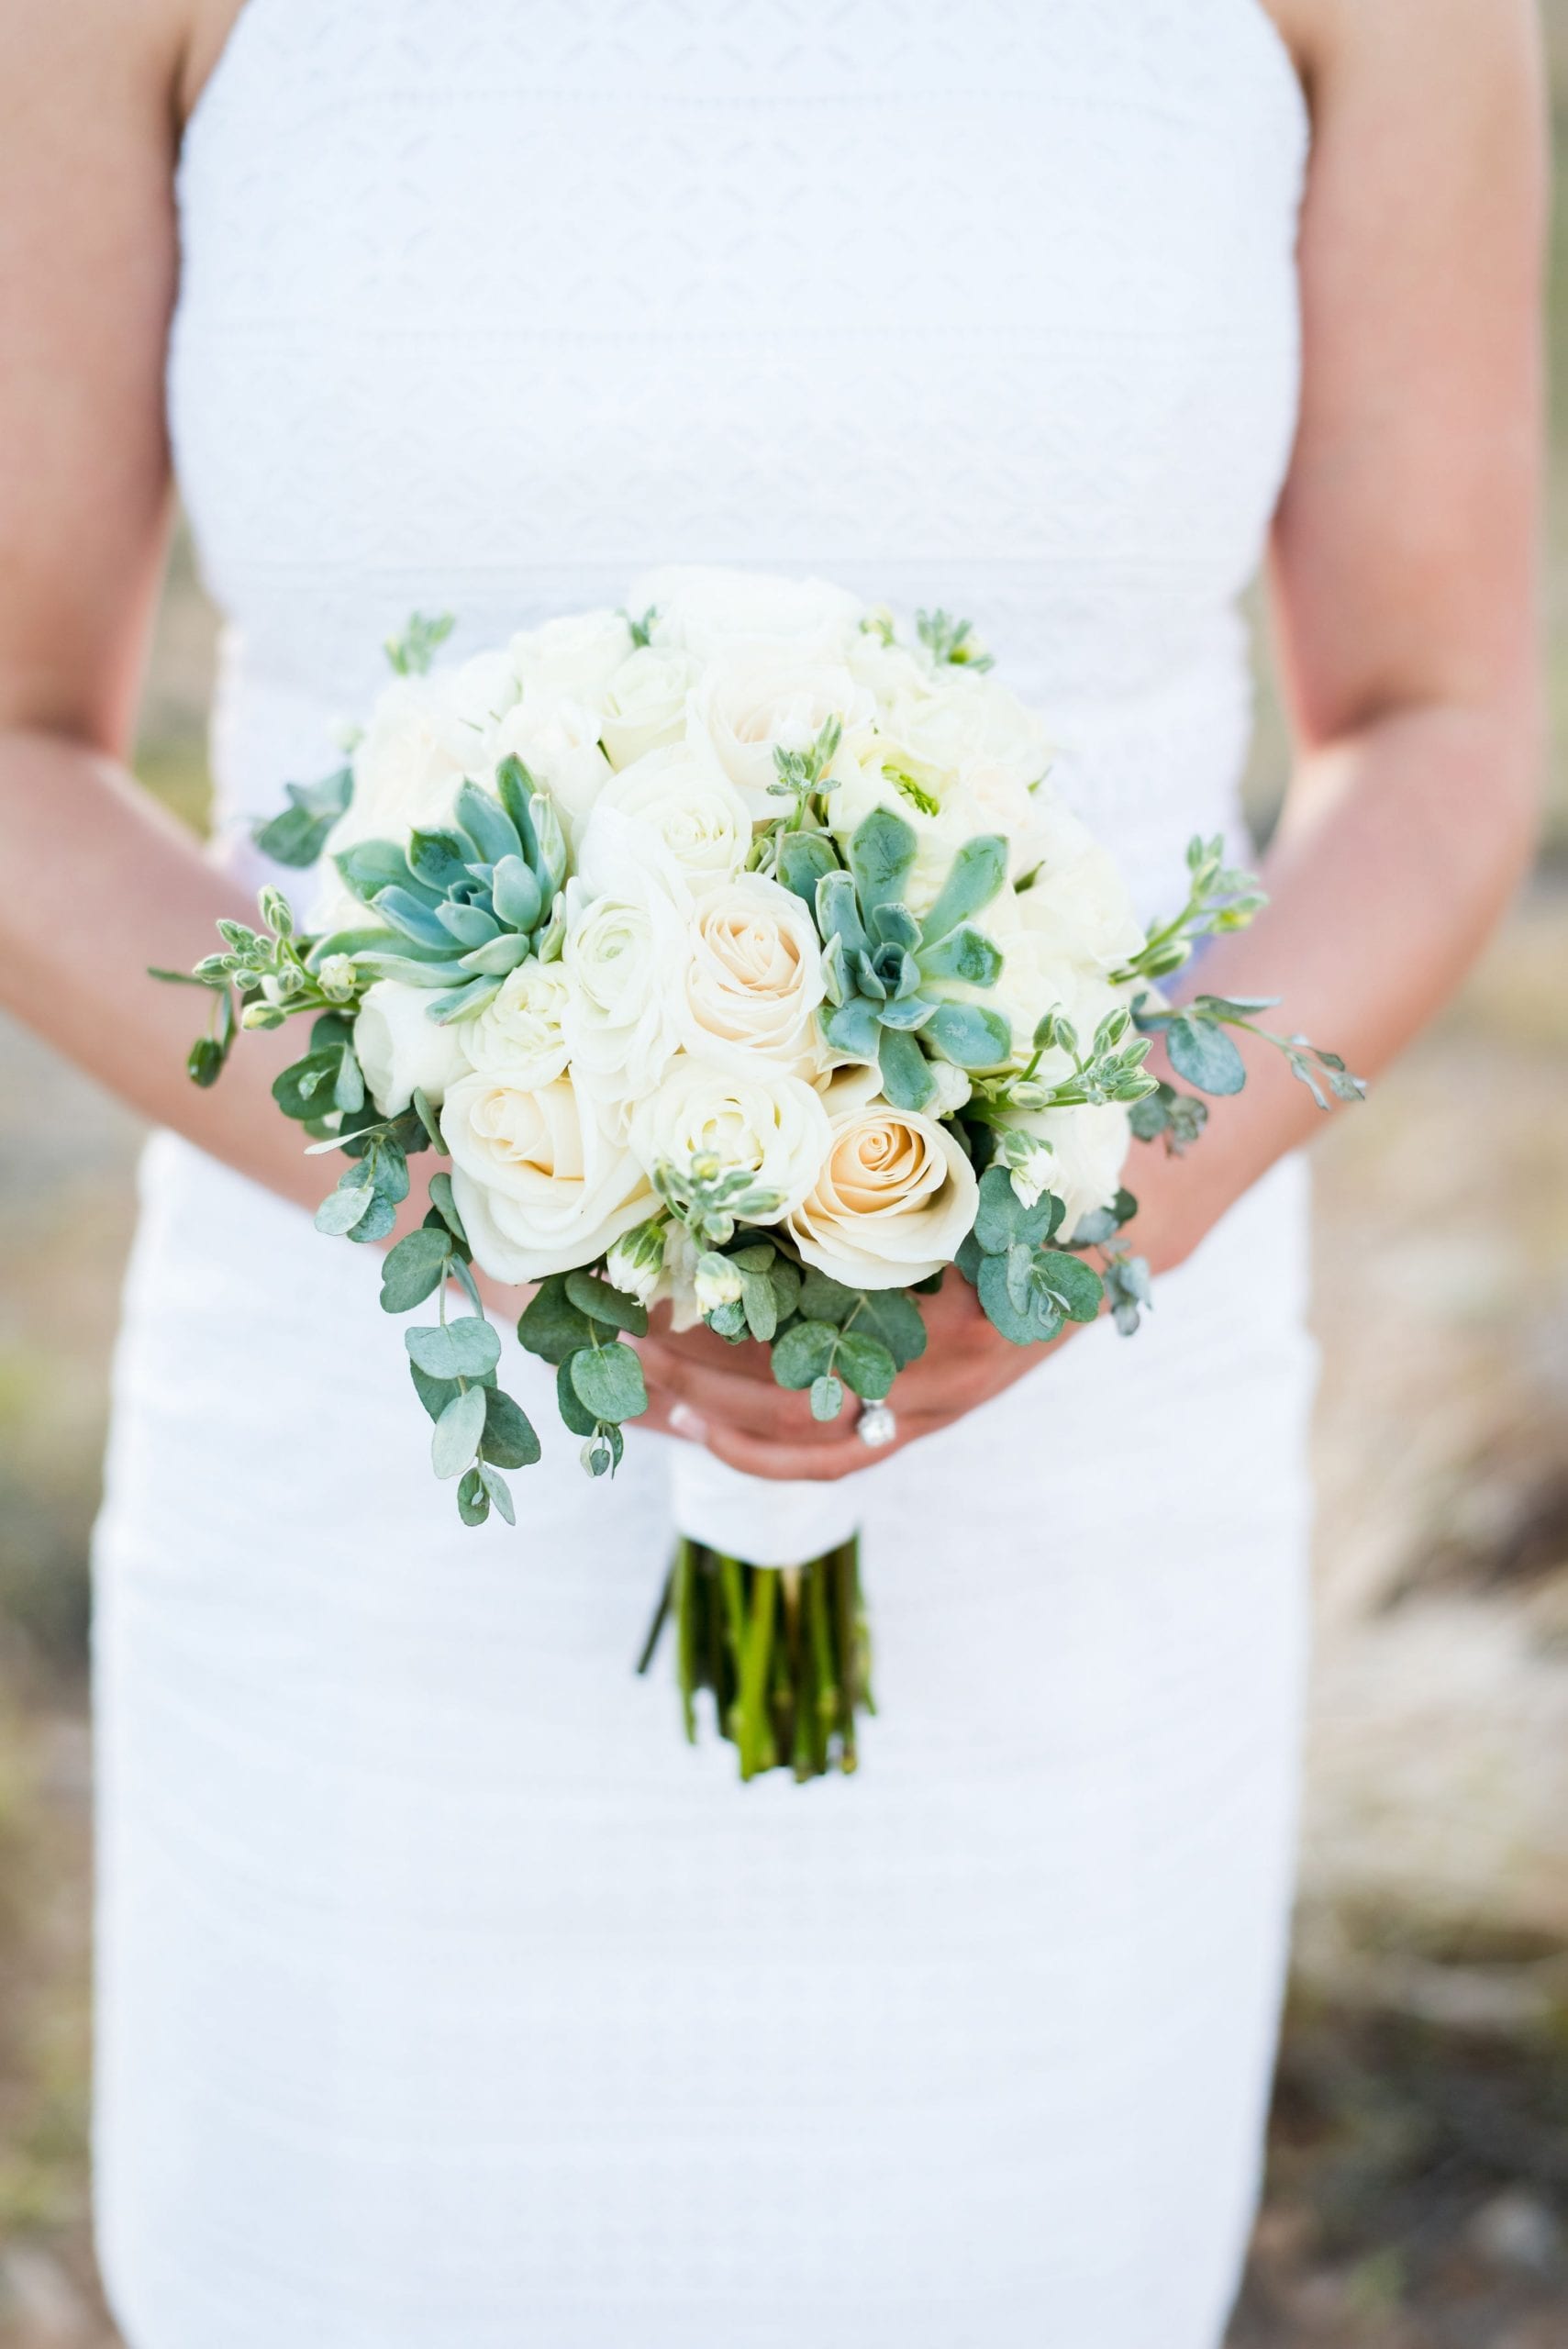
1220 897
412 653
1110 1068
803 776
710 1200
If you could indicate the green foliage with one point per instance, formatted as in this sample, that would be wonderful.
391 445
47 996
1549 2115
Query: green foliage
411 653
802 776
467 1348
885 968
298 836
1029 1287
1220 898
608 1382
551 1326
611 1306
1202 1051
710 1199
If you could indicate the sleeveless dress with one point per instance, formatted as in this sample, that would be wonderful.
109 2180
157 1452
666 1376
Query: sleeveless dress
447 1999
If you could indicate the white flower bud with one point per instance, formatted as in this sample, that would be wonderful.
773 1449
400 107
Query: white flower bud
952 1089
716 1283
636 1261
1029 1164
339 977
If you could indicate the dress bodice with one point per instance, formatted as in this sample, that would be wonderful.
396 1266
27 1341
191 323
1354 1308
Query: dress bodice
490 310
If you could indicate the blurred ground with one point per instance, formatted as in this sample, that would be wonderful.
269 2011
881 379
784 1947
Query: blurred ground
1418 2179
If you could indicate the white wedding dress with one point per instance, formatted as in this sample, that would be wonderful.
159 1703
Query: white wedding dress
447 1999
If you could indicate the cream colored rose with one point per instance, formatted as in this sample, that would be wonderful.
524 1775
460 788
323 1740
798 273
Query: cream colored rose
759 1120
895 1199
754 979
522 1029
682 794
401 1049
539 1183
572 659
705 612
558 741
749 703
424 735
1088 1149
644 704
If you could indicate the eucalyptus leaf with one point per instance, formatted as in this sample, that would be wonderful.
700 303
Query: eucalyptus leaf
445 1206
1038 1322
462 1349
892 1316
1204 1056
343 1209
472 1500
412 1269
508 1441
1076 1287
574 1417
865 1363
826 1398
454 1440
550 1325
603 1303
803 1353
500 1492
609 1382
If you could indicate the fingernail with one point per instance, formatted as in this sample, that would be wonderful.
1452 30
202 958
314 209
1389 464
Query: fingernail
685 1421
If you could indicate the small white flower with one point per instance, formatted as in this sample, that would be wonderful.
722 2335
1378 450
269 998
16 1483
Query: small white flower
401 1050
337 976
636 1263
951 1088
689 804
715 1282
1028 1164
644 704
522 1029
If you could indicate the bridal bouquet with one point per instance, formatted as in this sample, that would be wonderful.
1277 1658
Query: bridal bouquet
739 959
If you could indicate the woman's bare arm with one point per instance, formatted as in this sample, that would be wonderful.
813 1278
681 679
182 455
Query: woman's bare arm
97 882
1404 581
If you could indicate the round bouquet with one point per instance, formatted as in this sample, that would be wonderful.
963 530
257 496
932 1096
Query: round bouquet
736 959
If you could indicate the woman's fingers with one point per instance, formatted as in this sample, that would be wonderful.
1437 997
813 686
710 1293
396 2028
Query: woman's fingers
724 1397
811 1462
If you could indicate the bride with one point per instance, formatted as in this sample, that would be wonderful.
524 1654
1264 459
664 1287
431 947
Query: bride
446 2001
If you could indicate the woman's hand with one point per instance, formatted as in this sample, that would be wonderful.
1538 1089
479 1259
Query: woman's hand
724 1396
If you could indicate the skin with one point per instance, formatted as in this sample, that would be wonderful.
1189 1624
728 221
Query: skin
1402 581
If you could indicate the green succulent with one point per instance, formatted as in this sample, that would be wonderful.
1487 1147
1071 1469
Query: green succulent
466 904
885 967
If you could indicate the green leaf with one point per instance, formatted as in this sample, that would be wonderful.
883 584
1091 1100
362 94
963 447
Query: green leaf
462 1349
550 1325
508 1441
804 858
824 1299
487 824
602 1303
349 1092
609 1383
1038 1322
577 1420
445 1206
1001 1219
882 851
852 1028
437 859
803 1353
1147 1117
907 1078
891 1314
976 875
375 1224
785 1278
305 1089
970 1036
500 1492
964 954
838 914
343 1209
865 1365
472 1500
455 1436
826 1398
410 1271
434 1393
1204 1056
429 1117
969 1257
298 836
758 1304
1076 1287
518 898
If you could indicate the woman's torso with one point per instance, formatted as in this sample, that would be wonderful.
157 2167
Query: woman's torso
490 309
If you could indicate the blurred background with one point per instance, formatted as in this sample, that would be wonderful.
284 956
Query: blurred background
1419 2180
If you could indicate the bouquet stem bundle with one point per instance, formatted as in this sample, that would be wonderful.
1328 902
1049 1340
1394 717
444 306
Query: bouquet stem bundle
783 1652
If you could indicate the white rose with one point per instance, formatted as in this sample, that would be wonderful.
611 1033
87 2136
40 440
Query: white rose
521 1029
627 948
893 1200
401 1049
537 1180
708 611
644 704
1088 1150
558 741
750 703
682 794
1035 979
754 980
759 1120
572 659
408 764
1077 902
